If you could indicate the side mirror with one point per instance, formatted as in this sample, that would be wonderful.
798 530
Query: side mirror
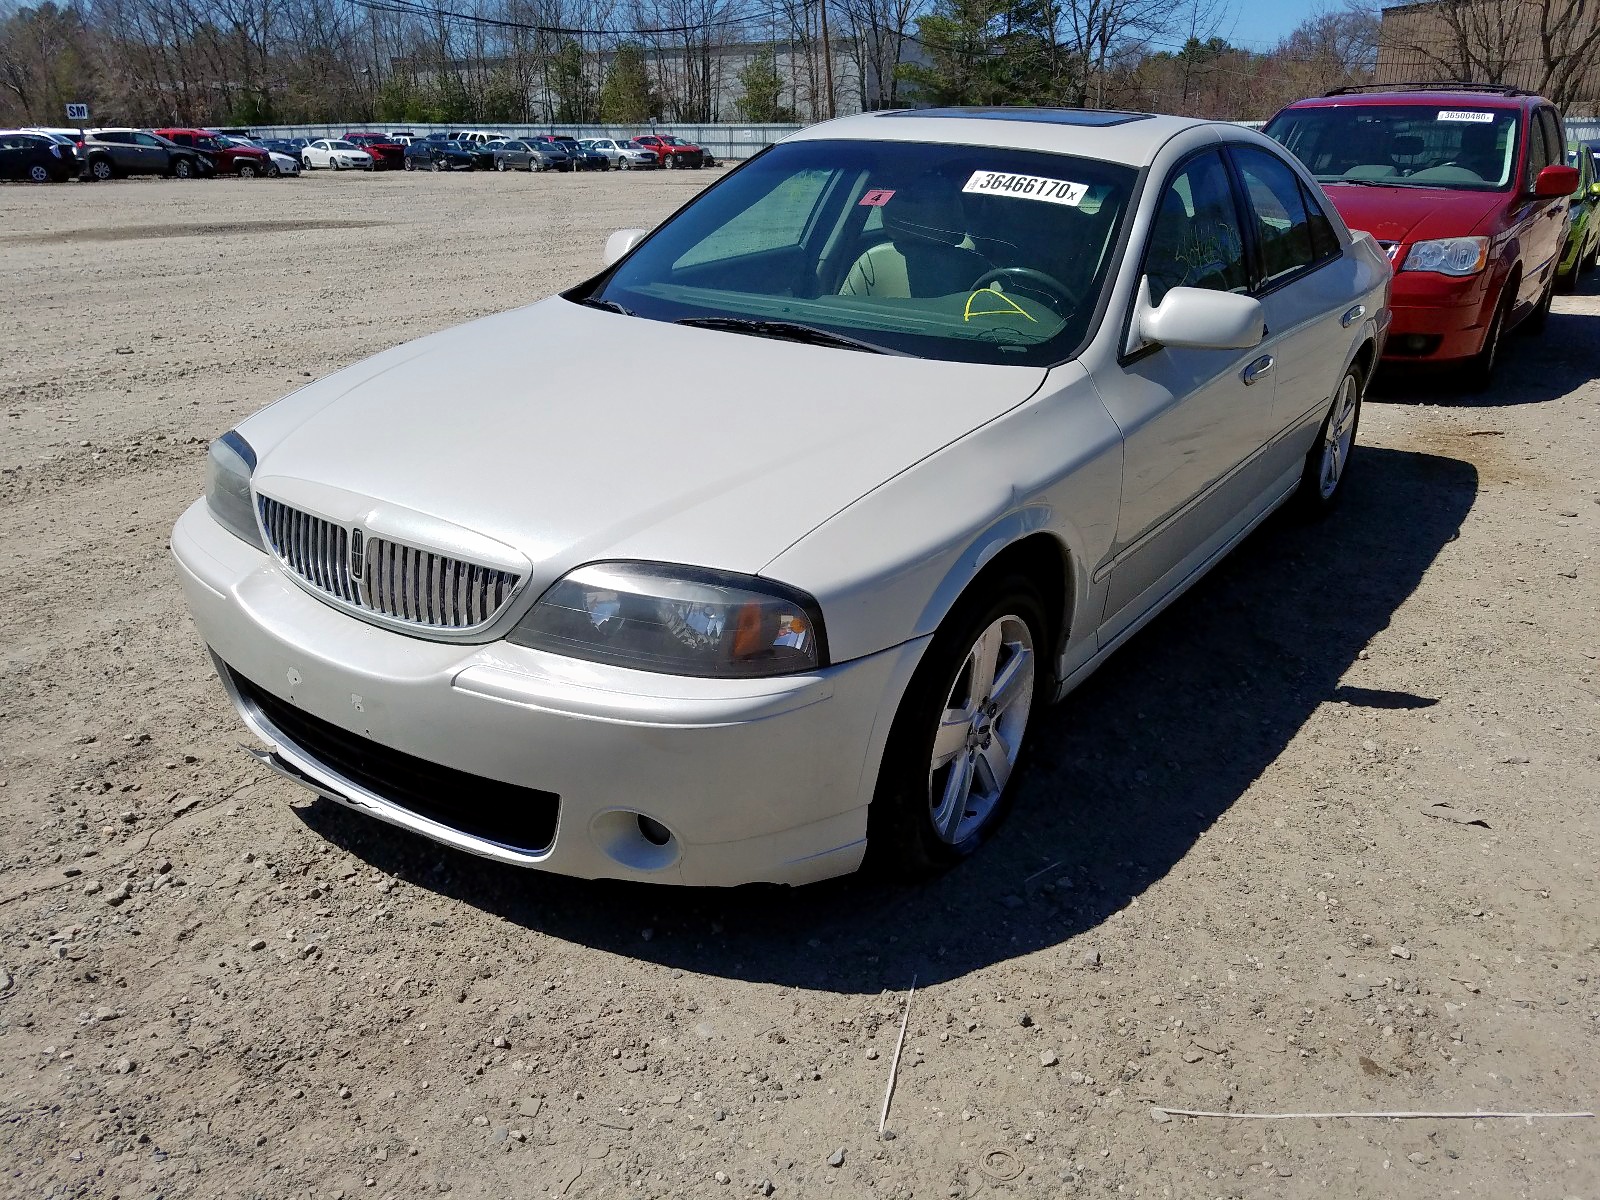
1594 191
1198 319
1556 181
622 241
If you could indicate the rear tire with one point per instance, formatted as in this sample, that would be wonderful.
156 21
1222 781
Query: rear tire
410 164
39 173
101 170
1328 461
1540 316
929 814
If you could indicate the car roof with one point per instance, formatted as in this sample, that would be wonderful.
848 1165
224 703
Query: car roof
1129 138
1442 97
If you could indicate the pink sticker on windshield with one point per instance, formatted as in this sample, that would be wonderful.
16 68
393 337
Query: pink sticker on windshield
877 198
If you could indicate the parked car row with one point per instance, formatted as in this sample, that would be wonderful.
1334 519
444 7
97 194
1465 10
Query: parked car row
45 155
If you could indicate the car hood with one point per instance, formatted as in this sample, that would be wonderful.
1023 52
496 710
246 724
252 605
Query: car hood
1412 214
530 429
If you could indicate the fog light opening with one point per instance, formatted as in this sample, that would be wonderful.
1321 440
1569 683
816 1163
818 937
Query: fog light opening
654 831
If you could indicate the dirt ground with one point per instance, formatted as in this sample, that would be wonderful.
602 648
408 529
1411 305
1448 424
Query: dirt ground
1226 883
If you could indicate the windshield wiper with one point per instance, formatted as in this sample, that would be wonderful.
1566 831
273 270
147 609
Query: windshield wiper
788 331
608 305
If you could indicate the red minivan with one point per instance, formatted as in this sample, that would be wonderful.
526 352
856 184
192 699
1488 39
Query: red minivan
1465 187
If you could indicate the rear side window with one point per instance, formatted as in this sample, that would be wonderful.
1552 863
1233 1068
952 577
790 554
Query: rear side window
1279 215
1324 242
1195 238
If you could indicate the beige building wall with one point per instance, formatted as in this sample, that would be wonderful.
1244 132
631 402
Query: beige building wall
1501 42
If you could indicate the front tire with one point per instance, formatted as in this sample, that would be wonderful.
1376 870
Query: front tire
1328 462
182 169
953 752
39 173
1478 373
101 170
437 165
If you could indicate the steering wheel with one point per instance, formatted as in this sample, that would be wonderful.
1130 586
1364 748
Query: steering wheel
1051 289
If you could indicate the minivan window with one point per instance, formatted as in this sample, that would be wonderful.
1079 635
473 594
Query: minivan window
1403 145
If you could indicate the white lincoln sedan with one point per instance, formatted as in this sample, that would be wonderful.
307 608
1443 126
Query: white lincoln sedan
994 386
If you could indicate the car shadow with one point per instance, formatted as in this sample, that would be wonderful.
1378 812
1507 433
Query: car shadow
1533 369
1127 773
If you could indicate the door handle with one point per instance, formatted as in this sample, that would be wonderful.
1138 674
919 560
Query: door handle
1354 315
1257 369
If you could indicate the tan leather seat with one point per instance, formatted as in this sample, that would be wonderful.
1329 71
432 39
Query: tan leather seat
928 252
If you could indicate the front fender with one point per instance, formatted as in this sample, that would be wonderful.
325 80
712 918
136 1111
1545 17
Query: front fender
889 567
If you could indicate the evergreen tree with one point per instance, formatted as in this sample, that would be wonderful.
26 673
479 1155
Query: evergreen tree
762 98
625 97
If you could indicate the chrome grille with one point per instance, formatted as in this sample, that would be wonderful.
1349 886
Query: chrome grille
387 578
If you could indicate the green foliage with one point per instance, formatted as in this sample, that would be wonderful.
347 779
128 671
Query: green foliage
504 99
625 97
575 96
994 52
761 100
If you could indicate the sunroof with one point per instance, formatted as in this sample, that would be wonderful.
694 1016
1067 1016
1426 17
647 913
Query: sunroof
1046 116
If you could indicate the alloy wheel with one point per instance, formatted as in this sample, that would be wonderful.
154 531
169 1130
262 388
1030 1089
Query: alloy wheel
981 729
38 174
100 169
1340 434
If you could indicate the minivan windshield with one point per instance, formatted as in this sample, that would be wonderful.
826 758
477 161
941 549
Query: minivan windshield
1403 145
966 253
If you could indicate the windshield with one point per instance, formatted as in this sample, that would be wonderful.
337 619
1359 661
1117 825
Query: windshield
952 252
340 146
1403 145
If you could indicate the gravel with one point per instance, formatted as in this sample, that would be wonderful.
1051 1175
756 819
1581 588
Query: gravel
1264 850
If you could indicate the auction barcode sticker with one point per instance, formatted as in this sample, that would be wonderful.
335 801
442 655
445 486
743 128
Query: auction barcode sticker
1455 114
1027 187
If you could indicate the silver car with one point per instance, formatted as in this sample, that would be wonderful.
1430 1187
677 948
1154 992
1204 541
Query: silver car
994 387
623 155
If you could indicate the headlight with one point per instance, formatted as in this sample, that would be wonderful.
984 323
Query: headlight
1449 256
229 466
676 621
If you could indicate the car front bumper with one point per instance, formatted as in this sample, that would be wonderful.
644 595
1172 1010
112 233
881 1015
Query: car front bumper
1438 318
756 780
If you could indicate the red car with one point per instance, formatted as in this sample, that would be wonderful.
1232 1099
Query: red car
671 151
1466 188
230 158
387 154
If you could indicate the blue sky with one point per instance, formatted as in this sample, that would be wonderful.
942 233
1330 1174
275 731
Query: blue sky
1259 24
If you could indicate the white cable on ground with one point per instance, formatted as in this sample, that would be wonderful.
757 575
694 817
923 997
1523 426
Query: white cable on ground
1397 1116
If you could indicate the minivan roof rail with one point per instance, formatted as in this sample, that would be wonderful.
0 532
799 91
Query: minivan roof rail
1499 89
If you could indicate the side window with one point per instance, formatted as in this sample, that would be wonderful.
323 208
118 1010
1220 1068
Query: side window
1278 211
1194 240
119 139
1324 242
144 139
1552 135
1538 150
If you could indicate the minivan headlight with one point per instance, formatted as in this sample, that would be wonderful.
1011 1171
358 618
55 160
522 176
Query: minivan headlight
676 620
229 465
1448 256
